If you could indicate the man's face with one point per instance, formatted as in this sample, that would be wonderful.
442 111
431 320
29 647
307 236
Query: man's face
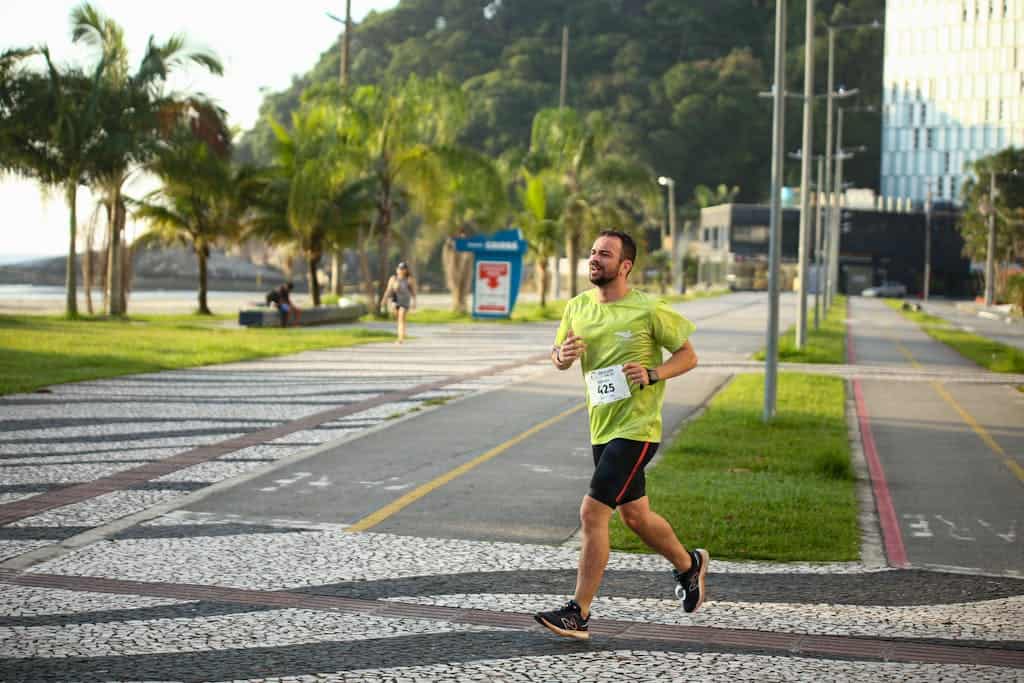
606 261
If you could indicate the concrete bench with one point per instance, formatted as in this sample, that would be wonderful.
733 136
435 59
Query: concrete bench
346 311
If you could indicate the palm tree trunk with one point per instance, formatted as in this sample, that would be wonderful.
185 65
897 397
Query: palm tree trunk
542 280
202 252
336 284
572 248
384 225
114 261
101 270
71 276
313 258
87 265
364 266
125 265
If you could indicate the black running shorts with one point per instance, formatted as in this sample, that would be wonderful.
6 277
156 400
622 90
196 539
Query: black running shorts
619 471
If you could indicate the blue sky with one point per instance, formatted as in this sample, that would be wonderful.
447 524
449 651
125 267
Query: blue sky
262 45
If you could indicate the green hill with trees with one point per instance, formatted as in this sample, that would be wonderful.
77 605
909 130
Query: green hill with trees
677 82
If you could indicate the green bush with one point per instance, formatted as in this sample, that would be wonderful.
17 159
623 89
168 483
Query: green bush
1015 291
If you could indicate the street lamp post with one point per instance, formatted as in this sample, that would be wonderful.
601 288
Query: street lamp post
832 219
834 237
990 255
677 281
818 247
990 251
771 360
805 178
828 135
927 244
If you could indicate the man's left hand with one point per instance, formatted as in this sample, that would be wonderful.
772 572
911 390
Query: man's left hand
636 373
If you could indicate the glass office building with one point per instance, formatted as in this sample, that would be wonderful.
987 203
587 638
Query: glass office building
953 91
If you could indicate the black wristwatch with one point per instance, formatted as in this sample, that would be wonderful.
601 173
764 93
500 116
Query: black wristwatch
652 376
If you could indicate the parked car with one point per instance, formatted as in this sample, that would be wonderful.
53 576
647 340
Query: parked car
886 289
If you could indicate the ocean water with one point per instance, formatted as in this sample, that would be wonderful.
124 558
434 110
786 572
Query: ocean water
47 293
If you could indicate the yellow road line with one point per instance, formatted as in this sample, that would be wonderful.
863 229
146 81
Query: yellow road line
982 433
380 515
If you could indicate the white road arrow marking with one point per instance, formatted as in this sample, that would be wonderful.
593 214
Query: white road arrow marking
1010 536
954 531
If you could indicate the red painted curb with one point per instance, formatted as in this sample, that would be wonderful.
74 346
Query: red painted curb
891 535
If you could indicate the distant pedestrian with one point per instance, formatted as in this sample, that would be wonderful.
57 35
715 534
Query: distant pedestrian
400 296
618 334
280 297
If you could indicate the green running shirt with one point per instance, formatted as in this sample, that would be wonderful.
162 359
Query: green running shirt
633 329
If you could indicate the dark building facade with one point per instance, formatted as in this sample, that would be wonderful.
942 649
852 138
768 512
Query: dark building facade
874 246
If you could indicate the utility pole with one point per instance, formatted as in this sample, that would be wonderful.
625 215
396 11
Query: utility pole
990 252
561 105
677 274
828 155
771 360
818 196
343 77
346 44
805 178
927 244
837 204
565 65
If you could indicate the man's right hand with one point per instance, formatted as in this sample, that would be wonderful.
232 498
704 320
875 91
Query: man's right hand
571 349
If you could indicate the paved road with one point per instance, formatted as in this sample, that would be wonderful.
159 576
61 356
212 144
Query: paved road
952 452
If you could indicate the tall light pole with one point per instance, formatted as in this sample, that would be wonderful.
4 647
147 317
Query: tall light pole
818 246
834 237
832 219
990 250
343 72
677 280
828 135
927 244
805 178
771 360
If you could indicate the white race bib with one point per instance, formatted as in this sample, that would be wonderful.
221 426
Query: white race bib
607 385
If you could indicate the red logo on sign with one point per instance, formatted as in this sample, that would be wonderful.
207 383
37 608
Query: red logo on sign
492 272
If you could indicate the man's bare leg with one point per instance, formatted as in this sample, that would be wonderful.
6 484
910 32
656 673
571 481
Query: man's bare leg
594 548
655 532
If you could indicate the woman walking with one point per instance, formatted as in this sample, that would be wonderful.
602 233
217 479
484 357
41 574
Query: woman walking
400 296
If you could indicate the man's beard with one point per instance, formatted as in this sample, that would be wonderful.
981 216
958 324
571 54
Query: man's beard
600 278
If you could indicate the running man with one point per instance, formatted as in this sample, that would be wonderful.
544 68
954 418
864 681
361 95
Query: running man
618 334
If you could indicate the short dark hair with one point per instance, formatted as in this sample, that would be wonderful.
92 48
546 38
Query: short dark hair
628 245
289 286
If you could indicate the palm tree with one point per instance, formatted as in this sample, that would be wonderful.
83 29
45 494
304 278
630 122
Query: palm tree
542 198
52 130
407 136
199 203
146 113
593 173
315 193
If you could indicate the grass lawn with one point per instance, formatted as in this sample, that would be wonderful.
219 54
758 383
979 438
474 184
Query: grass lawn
42 350
827 344
985 352
746 490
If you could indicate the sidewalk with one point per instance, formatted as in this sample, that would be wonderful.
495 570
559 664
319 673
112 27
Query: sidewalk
146 583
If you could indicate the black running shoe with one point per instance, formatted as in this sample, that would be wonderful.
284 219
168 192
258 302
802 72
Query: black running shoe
568 621
690 584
